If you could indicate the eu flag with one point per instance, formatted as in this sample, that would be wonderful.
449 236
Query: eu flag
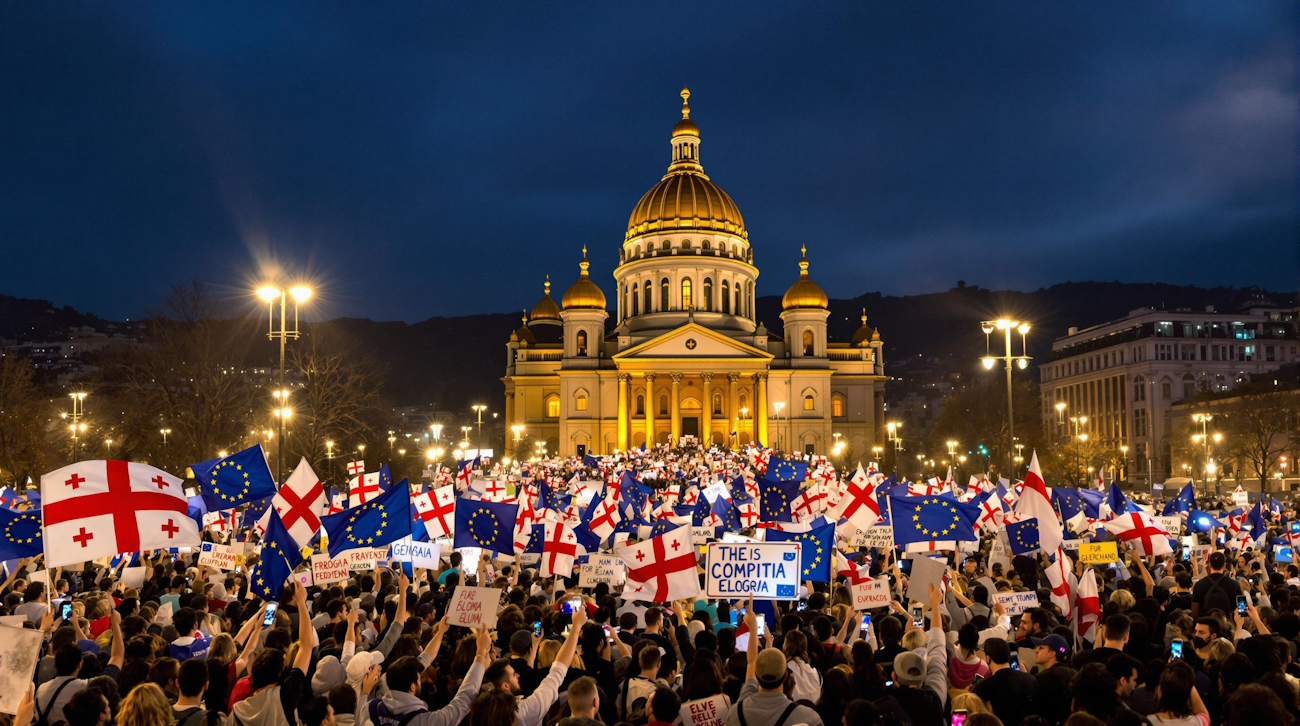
932 519
280 555
787 470
253 512
1091 502
1023 537
1067 501
380 521
1184 502
1199 522
817 551
489 525
1116 500
775 498
20 534
237 479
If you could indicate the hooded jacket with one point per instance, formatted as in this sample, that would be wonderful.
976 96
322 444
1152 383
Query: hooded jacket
272 706
449 715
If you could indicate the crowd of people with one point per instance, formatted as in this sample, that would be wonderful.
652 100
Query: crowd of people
1196 640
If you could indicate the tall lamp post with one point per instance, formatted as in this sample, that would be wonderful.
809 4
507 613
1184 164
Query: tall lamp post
478 409
1079 438
1022 361
778 405
74 416
270 294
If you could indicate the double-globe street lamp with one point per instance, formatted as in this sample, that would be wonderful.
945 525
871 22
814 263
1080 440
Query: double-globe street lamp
1009 358
270 294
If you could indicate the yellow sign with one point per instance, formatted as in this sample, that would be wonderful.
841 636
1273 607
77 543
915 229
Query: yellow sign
1098 553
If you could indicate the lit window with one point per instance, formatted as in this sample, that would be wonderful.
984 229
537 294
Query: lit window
687 300
837 407
808 403
553 407
580 404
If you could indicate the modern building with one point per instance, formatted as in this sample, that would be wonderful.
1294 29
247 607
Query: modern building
1126 374
683 354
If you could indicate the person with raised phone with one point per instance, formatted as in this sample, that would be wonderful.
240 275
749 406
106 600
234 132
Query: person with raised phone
502 704
762 698
403 704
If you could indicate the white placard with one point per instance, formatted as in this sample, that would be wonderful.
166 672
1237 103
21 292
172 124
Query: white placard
43 577
325 570
12 621
711 711
1173 525
733 537
133 576
19 652
302 577
702 535
1016 603
1240 498
471 607
768 570
365 558
419 554
871 594
164 615
999 553
925 572
601 568
1071 544
219 556
713 491
880 536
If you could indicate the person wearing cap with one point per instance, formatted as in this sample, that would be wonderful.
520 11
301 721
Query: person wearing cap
403 705
762 699
921 675
523 652
1054 677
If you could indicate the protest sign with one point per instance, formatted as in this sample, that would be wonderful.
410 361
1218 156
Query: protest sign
601 568
871 594
325 570
13 621
711 711
733 537
302 577
471 607
19 651
365 558
702 535
1000 554
1071 544
1240 498
925 572
1016 602
43 577
216 555
881 537
164 615
134 576
419 554
767 570
1173 525
1098 553
714 491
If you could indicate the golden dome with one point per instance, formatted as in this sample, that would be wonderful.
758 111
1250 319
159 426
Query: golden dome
866 333
686 199
545 309
584 293
804 293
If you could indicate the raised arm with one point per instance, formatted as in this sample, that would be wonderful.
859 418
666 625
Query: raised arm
117 653
570 646
303 660
751 650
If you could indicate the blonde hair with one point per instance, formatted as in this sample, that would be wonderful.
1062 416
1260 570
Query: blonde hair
222 650
913 639
145 705
970 702
546 652
1218 651
1123 600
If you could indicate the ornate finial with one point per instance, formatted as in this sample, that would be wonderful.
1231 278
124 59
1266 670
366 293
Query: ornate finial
525 317
686 110
864 316
803 262
547 285
584 264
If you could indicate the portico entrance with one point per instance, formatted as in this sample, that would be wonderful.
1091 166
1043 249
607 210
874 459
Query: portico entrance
691 426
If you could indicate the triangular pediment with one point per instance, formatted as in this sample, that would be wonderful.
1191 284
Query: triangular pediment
692 340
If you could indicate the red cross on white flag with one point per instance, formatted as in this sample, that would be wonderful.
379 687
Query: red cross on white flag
1140 530
661 569
559 549
438 510
362 489
356 467
606 517
95 509
300 502
858 503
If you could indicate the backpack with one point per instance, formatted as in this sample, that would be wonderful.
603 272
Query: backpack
43 716
197 716
381 716
1217 596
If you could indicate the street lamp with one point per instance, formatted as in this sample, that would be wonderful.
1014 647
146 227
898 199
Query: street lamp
271 293
478 409
391 440
1020 361
778 405
108 448
1078 439
75 429
1204 420
465 431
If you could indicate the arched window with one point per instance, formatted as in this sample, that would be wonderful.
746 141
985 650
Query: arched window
717 404
744 401
808 402
553 406
726 297
807 342
646 306
837 406
640 405
663 295
580 402
582 346
708 294
686 245
626 301
635 299
667 245
687 300
638 251
733 251
738 308
706 245
663 405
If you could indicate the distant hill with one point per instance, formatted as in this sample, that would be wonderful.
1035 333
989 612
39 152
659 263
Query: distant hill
450 362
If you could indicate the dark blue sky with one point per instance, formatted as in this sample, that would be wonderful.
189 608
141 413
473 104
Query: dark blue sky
420 159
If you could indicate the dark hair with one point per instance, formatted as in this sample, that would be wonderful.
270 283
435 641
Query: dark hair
861 712
404 673
664 705
1093 690
266 667
968 637
703 677
1117 626
192 677
1122 665
314 712
1255 704
183 620
67 659
1176 684
1216 560
496 672
997 651
85 707
164 671
343 698
890 630
494 707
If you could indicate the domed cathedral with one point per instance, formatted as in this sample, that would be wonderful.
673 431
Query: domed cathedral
683 354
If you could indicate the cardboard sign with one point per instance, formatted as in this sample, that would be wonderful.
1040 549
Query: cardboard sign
733 537
1000 554
20 650
1173 525
12 621
365 558
925 572
711 711
471 607
768 570
419 554
714 491
1240 498
881 537
302 577
601 568
1071 544
219 556
871 594
325 570
133 577
1098 553
1016 602
702 535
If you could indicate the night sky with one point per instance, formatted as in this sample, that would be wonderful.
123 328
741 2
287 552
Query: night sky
421 159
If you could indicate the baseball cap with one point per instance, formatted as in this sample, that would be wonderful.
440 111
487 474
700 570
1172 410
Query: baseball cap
769 667
329 673
361 663
1053 641
909 669
521 642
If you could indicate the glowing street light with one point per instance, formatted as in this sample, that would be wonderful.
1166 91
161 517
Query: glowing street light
1009 358
270 294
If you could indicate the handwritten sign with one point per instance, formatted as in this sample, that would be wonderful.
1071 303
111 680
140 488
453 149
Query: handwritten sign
1098 553
702 535
1173 525
365 558
471 607
871 594
766 570
219 556
601 568
711 711
1016 603
1240 498
325 570
881 537
1071 545
419 554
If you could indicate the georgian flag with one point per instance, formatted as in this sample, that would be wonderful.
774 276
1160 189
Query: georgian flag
606 517
858 503
362 489
661 569
748 514
300 501
1035 503
217 521
559 549
338 503
437 509
1088 606
1060 578
1138 529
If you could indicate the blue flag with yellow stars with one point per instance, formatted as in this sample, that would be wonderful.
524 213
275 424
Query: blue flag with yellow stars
818 546
253 512
489 525
1184 502
775 498
279 556
1023 537
20 534
932 519
237 479
380 521
787 470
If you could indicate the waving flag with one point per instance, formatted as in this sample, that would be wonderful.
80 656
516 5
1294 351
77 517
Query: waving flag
785 470
489 525
991 514
280 555
1035 503
240 478
661 569
1088 606
603 516
775 499
1023 537
818 544
367 487
1199 522
559 549
437 509
1181 504
20 534
1116 503
932 519
1060 578
300 502
380 521
1140 530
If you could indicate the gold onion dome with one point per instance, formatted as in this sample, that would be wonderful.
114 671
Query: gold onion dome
584 293
686 199
545 309
866 333
804 293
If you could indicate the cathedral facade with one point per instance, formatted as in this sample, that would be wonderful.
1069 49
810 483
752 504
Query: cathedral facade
684 355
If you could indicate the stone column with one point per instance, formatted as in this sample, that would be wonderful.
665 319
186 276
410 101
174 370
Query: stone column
706 417
674 410
623 380
760 408
733 403
649 410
